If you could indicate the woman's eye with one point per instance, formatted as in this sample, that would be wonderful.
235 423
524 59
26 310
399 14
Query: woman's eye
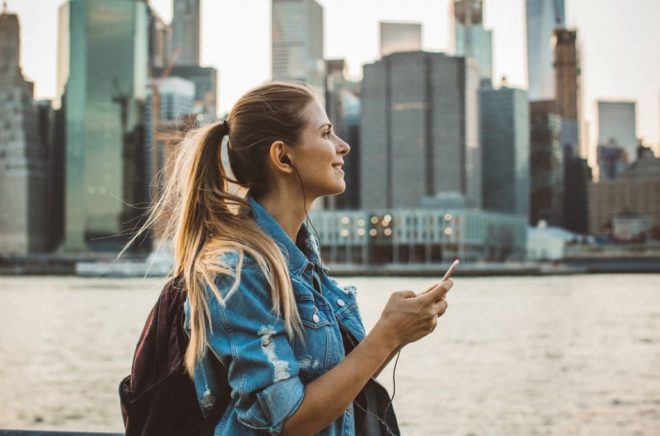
327 134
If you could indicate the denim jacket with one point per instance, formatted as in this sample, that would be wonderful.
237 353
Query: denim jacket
267 372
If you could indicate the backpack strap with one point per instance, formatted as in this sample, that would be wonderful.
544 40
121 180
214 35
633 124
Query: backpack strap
220 372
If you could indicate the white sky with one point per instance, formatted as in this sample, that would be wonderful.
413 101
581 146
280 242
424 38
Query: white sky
619 44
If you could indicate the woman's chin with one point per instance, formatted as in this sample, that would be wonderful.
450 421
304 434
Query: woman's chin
338 189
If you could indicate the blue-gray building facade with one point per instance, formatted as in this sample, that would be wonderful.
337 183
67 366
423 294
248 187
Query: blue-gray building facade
542 17
617 126
297 43
24 155
398 37
176 98
505 150
546 163
206 88
102 75
471 37
185 32
342 104
420 130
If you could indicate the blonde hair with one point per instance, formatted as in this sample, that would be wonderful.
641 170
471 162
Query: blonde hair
205 220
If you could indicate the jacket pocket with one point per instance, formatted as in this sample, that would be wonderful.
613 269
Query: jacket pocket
310 315
316 353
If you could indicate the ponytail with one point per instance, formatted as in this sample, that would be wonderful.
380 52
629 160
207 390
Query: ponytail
203 220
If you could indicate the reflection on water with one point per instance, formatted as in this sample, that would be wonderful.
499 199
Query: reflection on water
512 356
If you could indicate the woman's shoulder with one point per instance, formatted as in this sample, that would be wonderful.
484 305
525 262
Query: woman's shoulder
233 259
235 269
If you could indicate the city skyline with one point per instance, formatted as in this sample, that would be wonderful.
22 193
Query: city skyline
636 59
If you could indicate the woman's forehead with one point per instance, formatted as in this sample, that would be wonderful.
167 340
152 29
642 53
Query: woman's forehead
316 115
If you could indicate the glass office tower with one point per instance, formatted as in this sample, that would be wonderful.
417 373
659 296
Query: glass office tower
297 43
102 74
505 149
471 38
420 116
185 32
543 16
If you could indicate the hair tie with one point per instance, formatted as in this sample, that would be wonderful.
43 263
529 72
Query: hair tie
225 127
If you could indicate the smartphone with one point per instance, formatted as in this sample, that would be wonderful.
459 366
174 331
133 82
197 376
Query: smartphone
451 270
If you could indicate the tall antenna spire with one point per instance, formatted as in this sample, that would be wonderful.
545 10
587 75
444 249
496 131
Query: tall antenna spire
4 6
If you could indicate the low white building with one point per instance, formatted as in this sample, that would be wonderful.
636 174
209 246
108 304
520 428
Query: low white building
548 242
408 236
630 226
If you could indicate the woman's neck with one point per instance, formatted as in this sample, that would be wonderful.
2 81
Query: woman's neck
287 209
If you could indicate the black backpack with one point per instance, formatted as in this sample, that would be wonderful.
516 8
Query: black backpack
158 397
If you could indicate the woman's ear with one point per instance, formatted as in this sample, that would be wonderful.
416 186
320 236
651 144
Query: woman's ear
280 158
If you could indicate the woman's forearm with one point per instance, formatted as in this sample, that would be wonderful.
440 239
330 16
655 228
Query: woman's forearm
327 397
387 361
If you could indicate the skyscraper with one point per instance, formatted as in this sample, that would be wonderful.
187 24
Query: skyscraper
470 36
343 109
206 86
49 135
175 98
612 160
334 83
567 81
504 123
160 39
577 173
420 130
577 176
297 43
543 16
617 125
546 163
399 37
102 74
183 57
185 32
23 154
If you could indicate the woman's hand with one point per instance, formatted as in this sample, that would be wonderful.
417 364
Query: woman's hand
408 317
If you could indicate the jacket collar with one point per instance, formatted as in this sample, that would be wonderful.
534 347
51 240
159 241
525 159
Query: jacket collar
299 255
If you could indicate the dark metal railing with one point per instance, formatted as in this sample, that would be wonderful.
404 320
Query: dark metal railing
52 433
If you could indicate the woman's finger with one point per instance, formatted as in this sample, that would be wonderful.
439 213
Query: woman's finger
441 307
434 323
437 292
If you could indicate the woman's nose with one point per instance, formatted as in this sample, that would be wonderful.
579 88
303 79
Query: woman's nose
344 148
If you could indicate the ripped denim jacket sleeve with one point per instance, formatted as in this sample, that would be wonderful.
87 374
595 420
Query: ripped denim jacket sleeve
252 343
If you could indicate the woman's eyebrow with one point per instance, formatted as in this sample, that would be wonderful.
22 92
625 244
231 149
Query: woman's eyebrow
324 125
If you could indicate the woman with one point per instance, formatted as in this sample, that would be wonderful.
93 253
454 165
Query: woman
258 296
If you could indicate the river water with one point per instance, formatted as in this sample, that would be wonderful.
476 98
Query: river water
576 355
